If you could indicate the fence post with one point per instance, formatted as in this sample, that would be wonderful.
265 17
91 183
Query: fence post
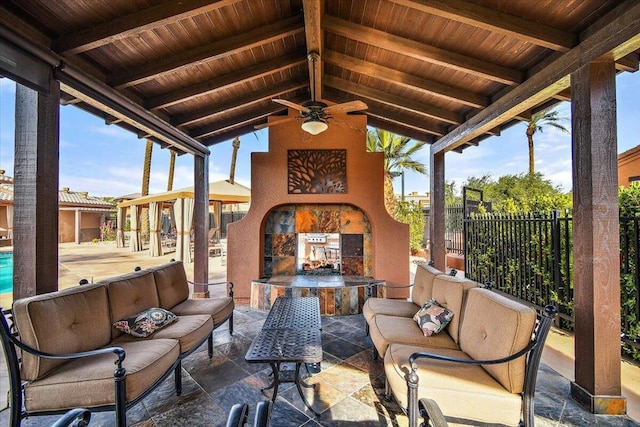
555 243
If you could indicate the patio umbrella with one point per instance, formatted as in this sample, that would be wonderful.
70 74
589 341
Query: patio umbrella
155 217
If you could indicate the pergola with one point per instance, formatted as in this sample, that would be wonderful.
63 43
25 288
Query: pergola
194 73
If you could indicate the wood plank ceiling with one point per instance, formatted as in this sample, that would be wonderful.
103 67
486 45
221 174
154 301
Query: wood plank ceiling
211 68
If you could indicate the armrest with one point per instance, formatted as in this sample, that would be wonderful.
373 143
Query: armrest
263 414
230 284
431 413
79 417
238 415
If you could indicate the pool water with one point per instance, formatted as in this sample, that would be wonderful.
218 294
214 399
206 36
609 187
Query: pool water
6 272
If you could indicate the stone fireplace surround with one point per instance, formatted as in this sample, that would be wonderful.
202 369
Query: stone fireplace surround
385 242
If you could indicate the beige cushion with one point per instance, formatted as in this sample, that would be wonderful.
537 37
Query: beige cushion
392 307
495 327
385 330
448 291
190 331
68 321
88 382
218 308
171 283
130 294
423 283
461 391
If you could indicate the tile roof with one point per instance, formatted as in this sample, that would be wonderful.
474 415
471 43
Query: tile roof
65 196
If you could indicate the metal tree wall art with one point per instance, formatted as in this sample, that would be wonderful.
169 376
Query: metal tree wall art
317 171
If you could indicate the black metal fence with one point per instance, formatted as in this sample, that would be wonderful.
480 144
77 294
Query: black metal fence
530 256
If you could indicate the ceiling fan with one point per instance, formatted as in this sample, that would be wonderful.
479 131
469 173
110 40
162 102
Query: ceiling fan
316 114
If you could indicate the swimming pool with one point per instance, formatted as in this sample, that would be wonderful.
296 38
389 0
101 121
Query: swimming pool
6 272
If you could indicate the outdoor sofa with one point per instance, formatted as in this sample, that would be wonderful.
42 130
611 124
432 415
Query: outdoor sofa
481 368
72 355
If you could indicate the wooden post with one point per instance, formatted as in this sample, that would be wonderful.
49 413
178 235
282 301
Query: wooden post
201 226
35 199
436 216
596 239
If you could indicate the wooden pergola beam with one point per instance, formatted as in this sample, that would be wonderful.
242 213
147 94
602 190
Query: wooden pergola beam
238 121
618 37
405 80
422 52
226 81
134 24
313 11
496 21
219 49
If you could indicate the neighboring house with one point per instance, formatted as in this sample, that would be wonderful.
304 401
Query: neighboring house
629 166
80 215
422 199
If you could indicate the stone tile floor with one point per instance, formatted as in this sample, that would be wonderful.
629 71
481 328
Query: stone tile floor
349 389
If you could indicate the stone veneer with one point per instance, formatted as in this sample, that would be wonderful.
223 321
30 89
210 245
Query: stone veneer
285 222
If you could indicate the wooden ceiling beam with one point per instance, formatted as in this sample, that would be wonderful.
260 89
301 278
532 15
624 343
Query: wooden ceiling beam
496 21
398 129
265 94
133 24
313 12
234 122
615 38
226 81
394 100
229 135
416 124
220 49
405 80
422 52
628 63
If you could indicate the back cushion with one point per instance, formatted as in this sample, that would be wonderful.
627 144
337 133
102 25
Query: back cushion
493 327
171 282
67 321
130 294
448 291
423 283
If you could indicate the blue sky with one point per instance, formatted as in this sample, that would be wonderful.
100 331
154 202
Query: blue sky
107 161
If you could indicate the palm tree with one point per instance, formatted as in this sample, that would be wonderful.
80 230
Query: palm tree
397 158
537 123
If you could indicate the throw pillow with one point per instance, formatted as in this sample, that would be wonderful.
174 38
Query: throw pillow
146 322
432 317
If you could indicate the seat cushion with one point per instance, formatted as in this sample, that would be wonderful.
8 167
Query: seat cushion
391 307
171 282
385 330
82 323
218 308
88 382
495 327
190 331
466 392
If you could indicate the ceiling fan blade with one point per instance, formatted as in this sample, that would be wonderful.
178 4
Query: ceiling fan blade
284 120
293 105
346 107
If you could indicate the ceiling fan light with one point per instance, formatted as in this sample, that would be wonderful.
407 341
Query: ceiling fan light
314 126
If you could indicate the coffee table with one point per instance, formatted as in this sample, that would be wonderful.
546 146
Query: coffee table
290 334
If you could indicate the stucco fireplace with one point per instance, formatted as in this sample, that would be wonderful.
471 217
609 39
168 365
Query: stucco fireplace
317 211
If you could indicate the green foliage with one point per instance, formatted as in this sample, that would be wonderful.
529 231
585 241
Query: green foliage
521 193
629 200
411 213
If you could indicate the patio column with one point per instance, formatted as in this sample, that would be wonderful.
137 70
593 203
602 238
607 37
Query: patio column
596 239
77 228
436 216
201 225
35 222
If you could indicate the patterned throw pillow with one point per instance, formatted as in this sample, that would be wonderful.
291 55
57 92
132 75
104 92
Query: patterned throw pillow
432 317
146 322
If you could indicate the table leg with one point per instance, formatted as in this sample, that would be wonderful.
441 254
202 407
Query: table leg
275 383
300 382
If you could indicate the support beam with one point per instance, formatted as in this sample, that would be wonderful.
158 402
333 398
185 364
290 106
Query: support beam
437 248
201 226
36 167
313 12
596 239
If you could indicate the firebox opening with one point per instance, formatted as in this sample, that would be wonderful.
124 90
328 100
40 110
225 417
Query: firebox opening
318 253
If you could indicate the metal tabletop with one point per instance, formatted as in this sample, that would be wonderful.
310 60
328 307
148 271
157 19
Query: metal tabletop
294 313
286 345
